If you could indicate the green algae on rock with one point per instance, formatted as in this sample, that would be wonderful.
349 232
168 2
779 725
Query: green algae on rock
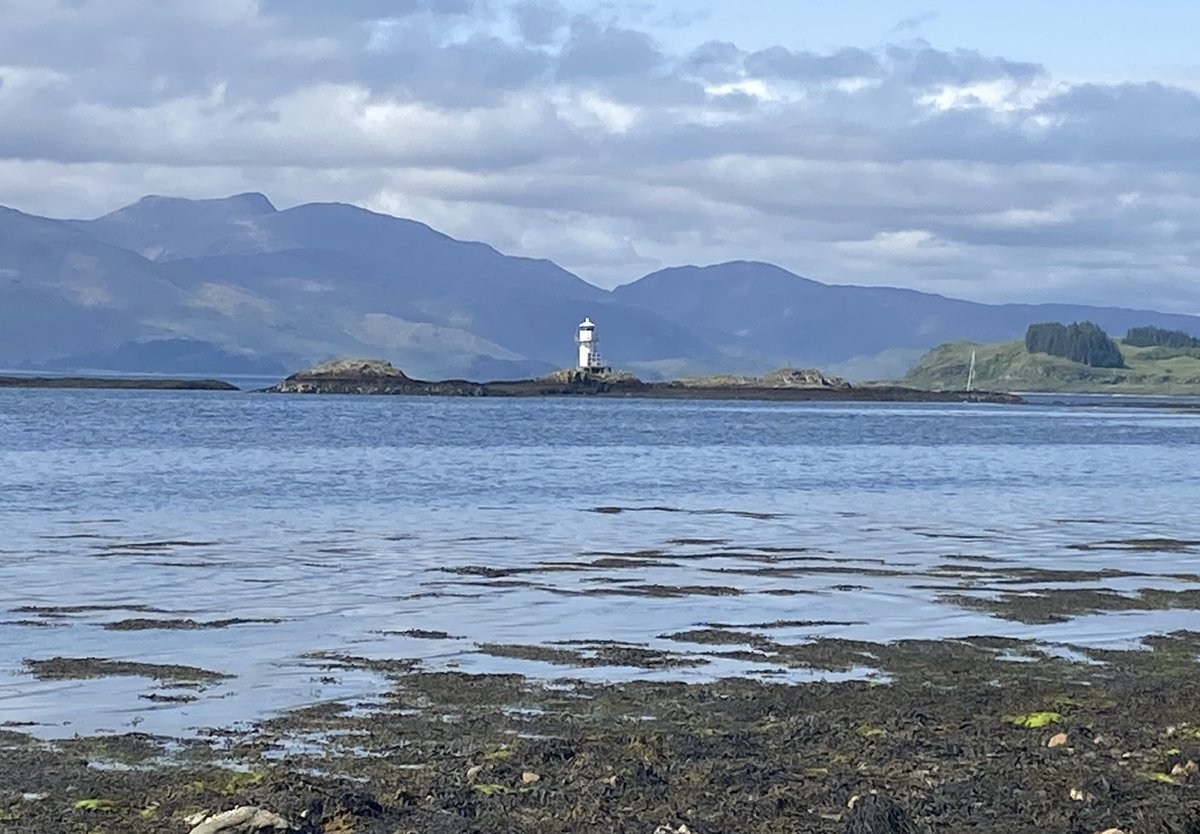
81 668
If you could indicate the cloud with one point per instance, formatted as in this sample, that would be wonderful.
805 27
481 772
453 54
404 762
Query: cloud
598 52
362 10
598 140
715 61
909 24
539 22
779 62
924 66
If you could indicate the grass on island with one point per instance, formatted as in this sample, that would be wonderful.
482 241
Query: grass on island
1008 366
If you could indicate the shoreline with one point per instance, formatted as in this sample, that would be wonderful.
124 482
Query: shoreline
304 383
959 736
129 383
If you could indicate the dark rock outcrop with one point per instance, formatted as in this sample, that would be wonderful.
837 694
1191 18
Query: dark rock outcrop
368 376
803 378
374 376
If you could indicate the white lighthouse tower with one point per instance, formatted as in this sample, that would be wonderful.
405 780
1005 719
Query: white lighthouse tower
589 348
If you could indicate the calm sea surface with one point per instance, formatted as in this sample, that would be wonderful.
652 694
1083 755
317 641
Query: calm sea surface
351 520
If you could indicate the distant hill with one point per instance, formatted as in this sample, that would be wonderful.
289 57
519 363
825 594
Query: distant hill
757 309
1008 366
170 285
64 292
258 287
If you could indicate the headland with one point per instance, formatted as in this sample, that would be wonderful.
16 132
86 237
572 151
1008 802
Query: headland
131 383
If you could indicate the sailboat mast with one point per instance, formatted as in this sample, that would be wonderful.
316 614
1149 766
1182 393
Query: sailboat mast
971 374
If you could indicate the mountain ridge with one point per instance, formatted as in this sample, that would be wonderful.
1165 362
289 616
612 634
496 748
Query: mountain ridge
238 277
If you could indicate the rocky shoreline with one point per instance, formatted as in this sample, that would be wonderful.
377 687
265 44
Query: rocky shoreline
130 383
375 377
959 737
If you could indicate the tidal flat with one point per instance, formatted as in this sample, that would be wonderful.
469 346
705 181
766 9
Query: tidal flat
786 724
983 735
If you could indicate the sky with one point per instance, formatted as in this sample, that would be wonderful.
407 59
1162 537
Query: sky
1076 38
997 151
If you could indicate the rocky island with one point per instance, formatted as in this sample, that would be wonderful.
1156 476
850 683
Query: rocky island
378 377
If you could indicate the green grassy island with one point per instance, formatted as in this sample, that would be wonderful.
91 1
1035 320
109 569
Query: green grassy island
1010 366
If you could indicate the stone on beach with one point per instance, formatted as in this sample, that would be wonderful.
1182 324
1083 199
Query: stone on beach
246 819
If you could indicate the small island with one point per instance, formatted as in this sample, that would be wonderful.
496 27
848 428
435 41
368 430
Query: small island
378 377
125 383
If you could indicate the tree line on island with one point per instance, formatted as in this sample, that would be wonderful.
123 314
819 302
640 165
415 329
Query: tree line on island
1088 344
1159 338
1082 342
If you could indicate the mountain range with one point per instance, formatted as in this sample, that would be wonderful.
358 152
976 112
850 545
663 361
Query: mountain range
234 286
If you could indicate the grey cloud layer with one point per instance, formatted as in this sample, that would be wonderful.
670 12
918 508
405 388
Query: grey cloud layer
552 133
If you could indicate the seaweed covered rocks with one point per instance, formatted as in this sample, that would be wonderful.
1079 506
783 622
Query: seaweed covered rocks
957 739
874 814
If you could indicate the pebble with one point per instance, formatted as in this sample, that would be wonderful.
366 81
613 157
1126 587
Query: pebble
244 820
1183 771
529 777
1057 740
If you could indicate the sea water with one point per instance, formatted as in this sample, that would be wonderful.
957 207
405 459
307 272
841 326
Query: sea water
430 528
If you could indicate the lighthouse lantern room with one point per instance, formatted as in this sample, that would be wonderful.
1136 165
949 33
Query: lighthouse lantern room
589 348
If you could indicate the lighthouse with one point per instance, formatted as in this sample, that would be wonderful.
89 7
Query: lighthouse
589 348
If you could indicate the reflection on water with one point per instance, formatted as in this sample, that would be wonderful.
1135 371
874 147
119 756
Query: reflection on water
258 536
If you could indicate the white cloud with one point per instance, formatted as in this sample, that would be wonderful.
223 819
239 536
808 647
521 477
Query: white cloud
906 245
588 110
755 87
573 138
16 80
1024 218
